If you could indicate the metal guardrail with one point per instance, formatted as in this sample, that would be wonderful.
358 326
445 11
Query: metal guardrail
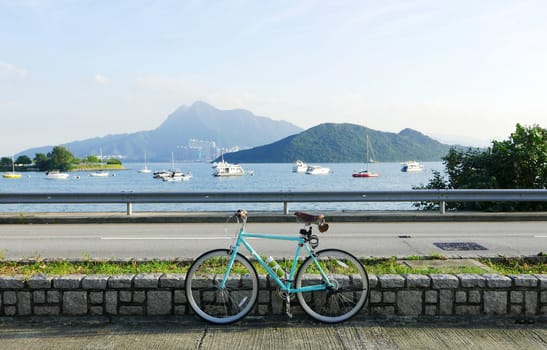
440 196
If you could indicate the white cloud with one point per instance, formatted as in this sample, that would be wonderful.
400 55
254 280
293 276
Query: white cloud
101 79
10 70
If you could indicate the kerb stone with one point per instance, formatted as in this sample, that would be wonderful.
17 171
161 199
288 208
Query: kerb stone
524 280
147 281
471 281
12 282
172 280
95 282
497 281
442 281
40 282
417 281
67 282
391 281
120 281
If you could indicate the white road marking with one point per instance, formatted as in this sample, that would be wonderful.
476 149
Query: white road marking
540 236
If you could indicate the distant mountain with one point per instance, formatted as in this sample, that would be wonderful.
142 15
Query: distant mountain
344 143
201 121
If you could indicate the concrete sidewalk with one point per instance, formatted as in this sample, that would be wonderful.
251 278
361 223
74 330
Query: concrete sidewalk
280 333
221 217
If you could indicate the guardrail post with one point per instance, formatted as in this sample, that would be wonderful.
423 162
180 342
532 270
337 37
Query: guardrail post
286 208
129 208
442 207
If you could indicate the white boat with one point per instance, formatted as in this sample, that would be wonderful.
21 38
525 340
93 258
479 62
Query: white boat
223 168
160 174
101 172
172 175
411 166
176 176
365 172
145 170
13 174
300 167
56 175
317 170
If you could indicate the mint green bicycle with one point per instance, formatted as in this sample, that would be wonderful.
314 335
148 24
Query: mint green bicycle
330 285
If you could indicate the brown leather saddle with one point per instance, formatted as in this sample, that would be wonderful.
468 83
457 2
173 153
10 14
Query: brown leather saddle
309 219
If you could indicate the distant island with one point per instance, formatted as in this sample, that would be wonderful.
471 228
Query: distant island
197 133
203 133
345 143
59 159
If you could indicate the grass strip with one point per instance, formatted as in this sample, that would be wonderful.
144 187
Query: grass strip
373 266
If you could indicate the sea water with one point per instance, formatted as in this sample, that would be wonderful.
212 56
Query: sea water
276 177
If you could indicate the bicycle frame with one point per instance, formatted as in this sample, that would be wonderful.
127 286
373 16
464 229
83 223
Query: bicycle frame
284 285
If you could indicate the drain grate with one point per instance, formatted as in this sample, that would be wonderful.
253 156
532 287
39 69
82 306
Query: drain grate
460 246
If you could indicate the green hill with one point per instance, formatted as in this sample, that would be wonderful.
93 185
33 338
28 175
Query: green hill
344 143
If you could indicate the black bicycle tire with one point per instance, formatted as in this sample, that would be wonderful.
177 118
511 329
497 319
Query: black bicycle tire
310 310
197 306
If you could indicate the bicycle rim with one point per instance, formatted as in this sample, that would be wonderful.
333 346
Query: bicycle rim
221 305
349 288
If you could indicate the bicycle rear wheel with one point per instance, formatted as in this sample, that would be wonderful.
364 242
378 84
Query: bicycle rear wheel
348 291
213 303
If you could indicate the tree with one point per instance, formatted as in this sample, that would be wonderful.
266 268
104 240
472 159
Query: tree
519 162
60 158
25 160
5 163
41 161
113 161
92 159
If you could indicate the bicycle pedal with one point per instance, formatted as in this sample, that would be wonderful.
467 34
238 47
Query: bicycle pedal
288 306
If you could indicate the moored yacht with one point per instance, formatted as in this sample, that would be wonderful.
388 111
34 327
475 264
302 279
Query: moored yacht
228 169
411 166
317 170
300 167
12 174
176 176
56 175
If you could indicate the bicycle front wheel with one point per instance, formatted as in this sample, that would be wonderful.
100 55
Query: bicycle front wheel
346 290
218 304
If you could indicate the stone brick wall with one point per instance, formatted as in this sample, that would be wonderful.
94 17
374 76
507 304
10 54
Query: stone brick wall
163 295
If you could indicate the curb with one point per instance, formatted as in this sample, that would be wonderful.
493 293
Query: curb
263 217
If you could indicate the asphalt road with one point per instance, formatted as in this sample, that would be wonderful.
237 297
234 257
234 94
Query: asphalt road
188 240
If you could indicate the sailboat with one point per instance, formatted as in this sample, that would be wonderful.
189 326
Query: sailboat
13 174
365 172
101 172
174 175
145 170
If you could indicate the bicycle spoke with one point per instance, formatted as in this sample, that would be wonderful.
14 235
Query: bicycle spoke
219 304
347 286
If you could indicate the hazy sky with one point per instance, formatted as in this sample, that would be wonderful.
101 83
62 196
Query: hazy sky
456 70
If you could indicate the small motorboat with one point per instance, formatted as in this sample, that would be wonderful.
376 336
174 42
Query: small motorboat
299 167
56 175
317 170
